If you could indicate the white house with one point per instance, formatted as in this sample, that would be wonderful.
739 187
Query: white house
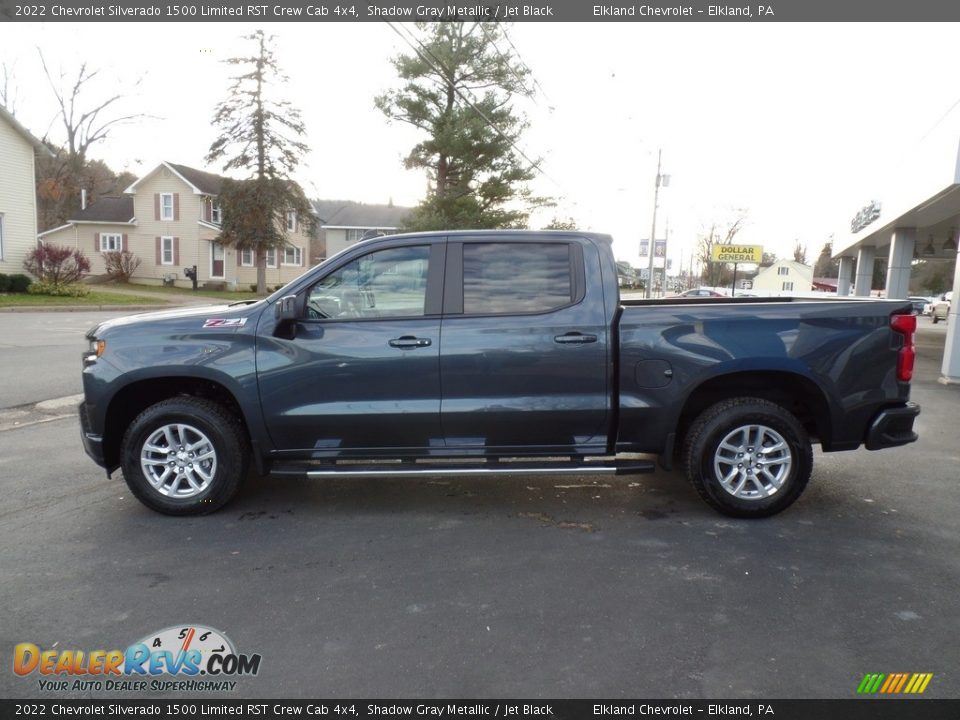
18 193
784 276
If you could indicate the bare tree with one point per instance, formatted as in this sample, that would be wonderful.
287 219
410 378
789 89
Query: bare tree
84 124
799 252
8 88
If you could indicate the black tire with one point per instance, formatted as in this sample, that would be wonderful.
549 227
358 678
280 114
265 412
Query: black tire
705 460
217 477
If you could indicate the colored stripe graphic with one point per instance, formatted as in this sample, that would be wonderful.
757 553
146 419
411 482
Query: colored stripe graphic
894 683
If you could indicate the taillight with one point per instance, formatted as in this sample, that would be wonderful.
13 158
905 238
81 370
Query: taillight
906 325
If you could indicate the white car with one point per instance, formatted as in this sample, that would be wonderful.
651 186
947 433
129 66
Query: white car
941 308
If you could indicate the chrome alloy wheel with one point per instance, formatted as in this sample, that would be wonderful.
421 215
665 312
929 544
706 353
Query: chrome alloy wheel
178 460
752 462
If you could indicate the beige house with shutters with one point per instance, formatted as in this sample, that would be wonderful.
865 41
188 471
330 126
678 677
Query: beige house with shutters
170 219
18 193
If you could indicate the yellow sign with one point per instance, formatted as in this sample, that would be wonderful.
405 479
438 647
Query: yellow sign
737 253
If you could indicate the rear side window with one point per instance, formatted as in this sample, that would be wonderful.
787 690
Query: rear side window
503 278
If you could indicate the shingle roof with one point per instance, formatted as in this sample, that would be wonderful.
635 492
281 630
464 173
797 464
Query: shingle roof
27 135
205 182
347 213
108 209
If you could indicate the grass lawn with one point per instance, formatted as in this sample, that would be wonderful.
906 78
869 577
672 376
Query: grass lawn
96 297
221 294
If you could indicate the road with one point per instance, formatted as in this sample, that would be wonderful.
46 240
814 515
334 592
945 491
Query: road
531 587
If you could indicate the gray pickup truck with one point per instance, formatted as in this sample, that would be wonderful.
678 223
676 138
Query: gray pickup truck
465 353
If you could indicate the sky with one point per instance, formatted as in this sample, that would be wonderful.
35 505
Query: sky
795 126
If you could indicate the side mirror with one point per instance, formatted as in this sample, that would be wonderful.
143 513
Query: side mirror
286 308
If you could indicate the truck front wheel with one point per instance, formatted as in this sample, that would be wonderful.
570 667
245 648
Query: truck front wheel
184 456
748 457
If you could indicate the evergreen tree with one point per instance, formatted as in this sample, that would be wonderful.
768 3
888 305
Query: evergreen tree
260 136
459 84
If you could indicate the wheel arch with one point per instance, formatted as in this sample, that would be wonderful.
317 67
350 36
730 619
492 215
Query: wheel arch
135 397
794 392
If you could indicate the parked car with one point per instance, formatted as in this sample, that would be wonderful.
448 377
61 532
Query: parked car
700 292
919 304
422 355
941 308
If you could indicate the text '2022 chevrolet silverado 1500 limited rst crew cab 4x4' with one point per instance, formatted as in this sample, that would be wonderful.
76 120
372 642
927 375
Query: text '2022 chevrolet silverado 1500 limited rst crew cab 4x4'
492 352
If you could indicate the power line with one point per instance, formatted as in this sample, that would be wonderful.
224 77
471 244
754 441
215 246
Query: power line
522 62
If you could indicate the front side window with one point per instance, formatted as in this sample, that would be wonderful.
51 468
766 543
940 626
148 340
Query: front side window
292 255
166 206
166 251
386 283
111 242
515 277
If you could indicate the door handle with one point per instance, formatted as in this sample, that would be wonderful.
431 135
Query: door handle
408 342
575 338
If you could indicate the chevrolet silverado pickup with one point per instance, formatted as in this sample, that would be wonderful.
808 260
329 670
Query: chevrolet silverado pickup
497 352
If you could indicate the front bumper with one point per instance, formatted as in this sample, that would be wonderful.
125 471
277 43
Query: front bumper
893 427
92 443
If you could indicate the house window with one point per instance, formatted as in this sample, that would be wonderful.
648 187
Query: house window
788 286
292 255
355 235
111 242
783 271
272 258
166 251
246 257
292 220
214 212
166 207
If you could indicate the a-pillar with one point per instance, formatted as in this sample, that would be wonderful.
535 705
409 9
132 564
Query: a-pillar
865 257
951 352
843 276
899 263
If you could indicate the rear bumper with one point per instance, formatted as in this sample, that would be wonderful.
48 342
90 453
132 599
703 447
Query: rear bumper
92 443
893 427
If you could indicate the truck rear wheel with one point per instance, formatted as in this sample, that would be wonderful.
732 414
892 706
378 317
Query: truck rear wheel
748 457
184 456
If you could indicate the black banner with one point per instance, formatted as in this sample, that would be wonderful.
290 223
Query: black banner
484 10
872 709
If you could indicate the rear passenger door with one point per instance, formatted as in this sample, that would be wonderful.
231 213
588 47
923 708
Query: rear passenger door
524 347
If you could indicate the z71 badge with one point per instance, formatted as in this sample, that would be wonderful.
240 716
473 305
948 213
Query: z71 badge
225 322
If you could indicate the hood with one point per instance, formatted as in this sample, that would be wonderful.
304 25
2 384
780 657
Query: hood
202 313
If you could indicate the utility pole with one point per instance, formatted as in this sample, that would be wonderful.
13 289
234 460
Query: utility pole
653 229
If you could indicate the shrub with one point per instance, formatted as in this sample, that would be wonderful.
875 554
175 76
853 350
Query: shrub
4 283
253 287
56 265
20 283
67 290
121 265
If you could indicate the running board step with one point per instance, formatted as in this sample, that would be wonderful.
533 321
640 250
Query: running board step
423 469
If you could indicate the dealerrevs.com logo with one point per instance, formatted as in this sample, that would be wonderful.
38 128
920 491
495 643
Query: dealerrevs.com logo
181 658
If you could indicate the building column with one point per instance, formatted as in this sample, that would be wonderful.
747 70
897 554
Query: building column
951 351
900 262
865 257
843 276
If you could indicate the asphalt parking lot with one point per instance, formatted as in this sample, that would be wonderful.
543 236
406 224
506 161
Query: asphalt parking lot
532 587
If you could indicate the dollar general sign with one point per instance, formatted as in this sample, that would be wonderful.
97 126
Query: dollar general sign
737 253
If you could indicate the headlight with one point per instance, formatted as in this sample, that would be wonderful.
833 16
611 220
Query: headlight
96 349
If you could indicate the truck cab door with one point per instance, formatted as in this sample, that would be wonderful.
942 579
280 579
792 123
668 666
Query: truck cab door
358 373
525 356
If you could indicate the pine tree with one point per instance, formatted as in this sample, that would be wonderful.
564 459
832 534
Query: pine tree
459 84
260 135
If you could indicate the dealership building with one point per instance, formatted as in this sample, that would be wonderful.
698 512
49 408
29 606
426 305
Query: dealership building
918 218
